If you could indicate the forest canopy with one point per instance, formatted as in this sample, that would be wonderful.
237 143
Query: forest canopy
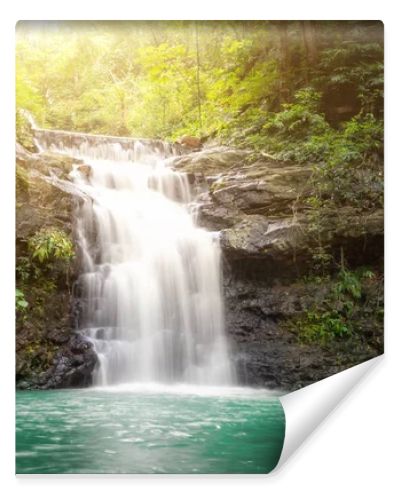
207 78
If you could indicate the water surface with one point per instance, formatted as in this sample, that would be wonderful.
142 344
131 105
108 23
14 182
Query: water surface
148 431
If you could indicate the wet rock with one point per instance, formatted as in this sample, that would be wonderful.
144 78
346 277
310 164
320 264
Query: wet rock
23 385
100 334
59 335
266 353
72 367
79 345
85 170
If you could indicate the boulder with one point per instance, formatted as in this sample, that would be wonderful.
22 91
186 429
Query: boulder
190 142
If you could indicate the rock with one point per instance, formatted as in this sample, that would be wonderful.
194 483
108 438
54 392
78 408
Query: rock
257 236
21 153
216 217
190 142
259 206
23 385
268 238
85 170
210 161
43 204
59 335
74 368
79 345
78 360
266 353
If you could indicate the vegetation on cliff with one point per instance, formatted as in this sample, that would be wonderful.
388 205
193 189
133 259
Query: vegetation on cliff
352 311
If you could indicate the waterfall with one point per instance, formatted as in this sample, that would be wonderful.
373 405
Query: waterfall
150 286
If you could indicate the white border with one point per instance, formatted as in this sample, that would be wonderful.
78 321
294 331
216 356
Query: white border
354 453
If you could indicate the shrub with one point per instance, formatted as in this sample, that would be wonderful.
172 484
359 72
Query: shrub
51 245
20 302
336 317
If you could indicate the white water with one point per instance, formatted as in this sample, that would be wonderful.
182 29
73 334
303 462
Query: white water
151 281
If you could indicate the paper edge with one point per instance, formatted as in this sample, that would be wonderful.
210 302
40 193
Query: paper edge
305 409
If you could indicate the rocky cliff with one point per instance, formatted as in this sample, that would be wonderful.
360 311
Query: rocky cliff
259 205
48 352
268 239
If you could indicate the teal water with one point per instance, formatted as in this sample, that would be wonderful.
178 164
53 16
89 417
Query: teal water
106 431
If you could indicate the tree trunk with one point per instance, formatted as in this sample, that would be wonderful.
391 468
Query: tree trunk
310 43
198 77
284 61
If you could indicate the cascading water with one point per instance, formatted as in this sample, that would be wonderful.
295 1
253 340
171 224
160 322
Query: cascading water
151 280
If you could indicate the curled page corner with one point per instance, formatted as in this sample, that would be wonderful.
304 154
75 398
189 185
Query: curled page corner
306 408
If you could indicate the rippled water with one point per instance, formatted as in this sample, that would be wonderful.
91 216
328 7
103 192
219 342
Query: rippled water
148 431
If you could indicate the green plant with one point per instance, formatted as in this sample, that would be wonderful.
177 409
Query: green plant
20 302
354 67
337 316
322 327
50 245
23 269
349 284
298 132
50 252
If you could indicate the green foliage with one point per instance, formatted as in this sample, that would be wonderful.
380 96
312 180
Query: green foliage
336 317
322 327
351 175
50 245
20 302
46 261
301 133
298 132
142 78
23 269
355 68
